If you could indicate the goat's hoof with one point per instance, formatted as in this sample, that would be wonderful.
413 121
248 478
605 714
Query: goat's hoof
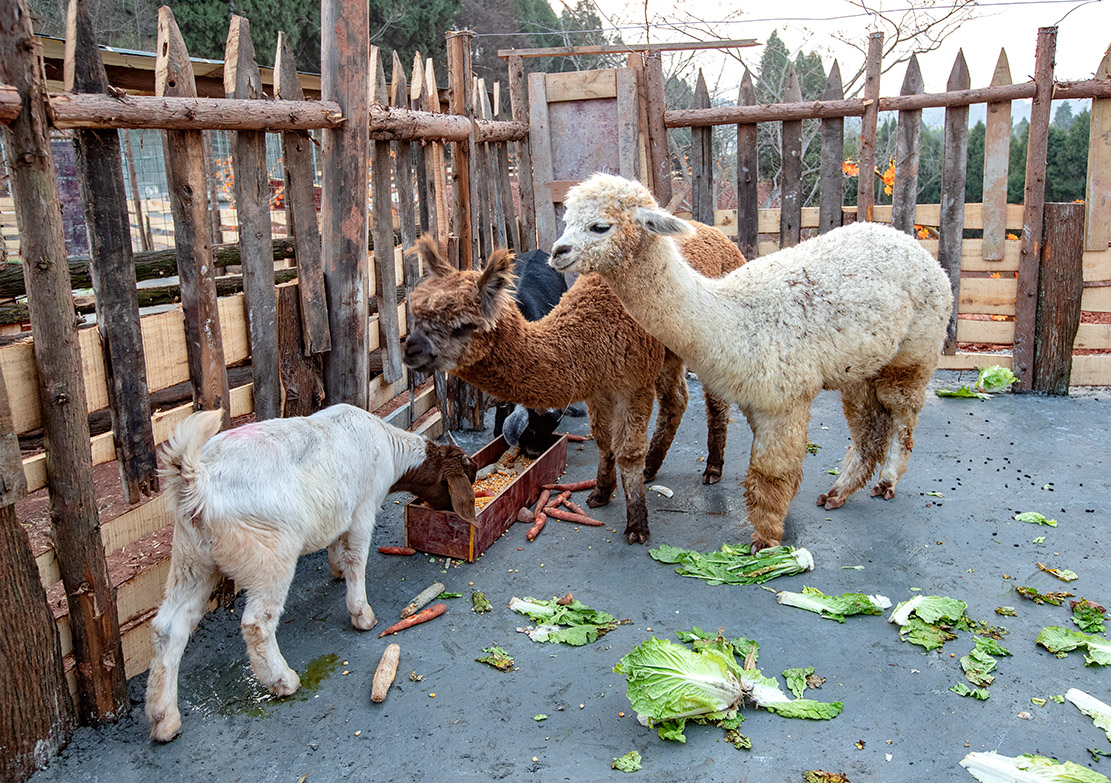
884 490
364 620
636 536
712 474
285 685
599 497
830 501
165 727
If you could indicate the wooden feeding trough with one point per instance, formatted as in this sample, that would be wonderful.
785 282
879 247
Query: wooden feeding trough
445 533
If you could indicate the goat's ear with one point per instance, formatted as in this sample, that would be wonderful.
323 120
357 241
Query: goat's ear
429 252
496 283
462 497
662 222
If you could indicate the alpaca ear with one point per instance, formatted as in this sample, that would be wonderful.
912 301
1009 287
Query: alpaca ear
429 252
496 283
661 222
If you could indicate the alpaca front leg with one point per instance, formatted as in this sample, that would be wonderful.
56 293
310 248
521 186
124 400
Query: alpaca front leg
774 472
717 430
265 600
631 425
601 411
354 569
671 392
188 587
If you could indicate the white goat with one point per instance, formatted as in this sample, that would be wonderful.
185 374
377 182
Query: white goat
249 501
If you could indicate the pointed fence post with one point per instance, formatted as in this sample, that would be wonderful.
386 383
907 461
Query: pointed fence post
112 264
504 188
185 174
1037 148
435 159
403 162
465 191
519 104
702 160
480 179
831 182
426 196
866 184
101 682
385 278
252 203
1097 235
904 194
954 166
748 197
300 209
790 177
997 159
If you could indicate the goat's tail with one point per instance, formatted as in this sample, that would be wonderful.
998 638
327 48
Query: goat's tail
181 460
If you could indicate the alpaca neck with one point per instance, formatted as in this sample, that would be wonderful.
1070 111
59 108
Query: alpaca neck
527 363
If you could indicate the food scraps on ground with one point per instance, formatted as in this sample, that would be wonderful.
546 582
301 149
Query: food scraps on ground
573 487
630 762
562 496
1061 641
423 598
414 677
577 438
929 621
990 767
480 604
1034 518
422 616
1095 709
497 657
1056 597
1064 574
537 525
572 623
1088 615
397 550
385 673
834 607
575 507
963 690
665 491
735 564
496 477
821 776
568 516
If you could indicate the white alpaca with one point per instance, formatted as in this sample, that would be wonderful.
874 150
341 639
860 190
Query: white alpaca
862 309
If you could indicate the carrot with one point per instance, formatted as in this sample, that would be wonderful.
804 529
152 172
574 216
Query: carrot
542 503
424 597
537 526
562 496
420 617
397 550
484 493
573 487
526 516
578 519
577 438
384 674
575 507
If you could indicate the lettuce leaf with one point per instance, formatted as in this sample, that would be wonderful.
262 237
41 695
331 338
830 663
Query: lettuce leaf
995 379
765 691
630 762
929 609
796 680
575 624
963 690
1095 709
1060 641
993 768
833 607
734 564
1034 518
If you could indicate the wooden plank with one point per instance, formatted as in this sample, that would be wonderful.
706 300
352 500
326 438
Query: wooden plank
987 295
1096 299
519 105
1097 265
1093 337
974 361
1097 231
102 687
185 172
302 374
425 189
702 159
439 167
300 205
500 236
924 214
459 77
1026 305
831 181
748 200
659 156
252 200
790 177
904 194
997 157
865 195
953 169
344 78
581 85
505 191
403 162
136 197
630 47
100 176
542 166
1060 287
480 176
628 126
1093 370
385 282
994 332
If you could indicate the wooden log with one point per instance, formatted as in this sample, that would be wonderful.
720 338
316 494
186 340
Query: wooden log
748 199
145 240
403 162
36 714
211 176
831 180
543 167
623 48
1037 148
904 194
790 176
426 198
865 191
658 153
101 683
345 59
300 210
1060 287
997 158
302 373
435 158
100 177
459 77
252 203
500 236
385 283
519 104
184 152
1097 235
505 187
480 176
702 160
954 166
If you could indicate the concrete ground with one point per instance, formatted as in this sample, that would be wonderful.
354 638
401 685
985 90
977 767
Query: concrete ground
988 460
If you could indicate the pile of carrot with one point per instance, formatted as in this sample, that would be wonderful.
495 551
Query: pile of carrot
546 508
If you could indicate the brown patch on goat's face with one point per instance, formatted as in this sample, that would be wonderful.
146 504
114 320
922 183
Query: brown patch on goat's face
444 480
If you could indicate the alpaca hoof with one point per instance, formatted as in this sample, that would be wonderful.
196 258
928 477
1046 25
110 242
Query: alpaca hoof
599 497
884 490
712 474
165 727
364 620
650 472
830 501
759 542
636 536
285 685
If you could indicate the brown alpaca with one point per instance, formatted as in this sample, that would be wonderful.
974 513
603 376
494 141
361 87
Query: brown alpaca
587 348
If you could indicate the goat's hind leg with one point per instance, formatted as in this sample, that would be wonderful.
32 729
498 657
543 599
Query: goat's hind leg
192 579
870 430
267 588
902 391
671 391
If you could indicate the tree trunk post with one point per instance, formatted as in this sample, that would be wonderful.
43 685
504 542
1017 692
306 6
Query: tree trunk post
748 196
1060 288
865 190
954 167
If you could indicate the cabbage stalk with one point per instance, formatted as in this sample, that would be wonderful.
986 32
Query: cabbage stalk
833 607
1095 709
993 768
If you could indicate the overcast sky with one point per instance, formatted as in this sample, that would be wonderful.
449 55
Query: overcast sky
1082 38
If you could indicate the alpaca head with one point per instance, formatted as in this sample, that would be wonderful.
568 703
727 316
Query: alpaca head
609 222
451 308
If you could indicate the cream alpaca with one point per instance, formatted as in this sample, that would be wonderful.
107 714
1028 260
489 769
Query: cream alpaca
862 309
